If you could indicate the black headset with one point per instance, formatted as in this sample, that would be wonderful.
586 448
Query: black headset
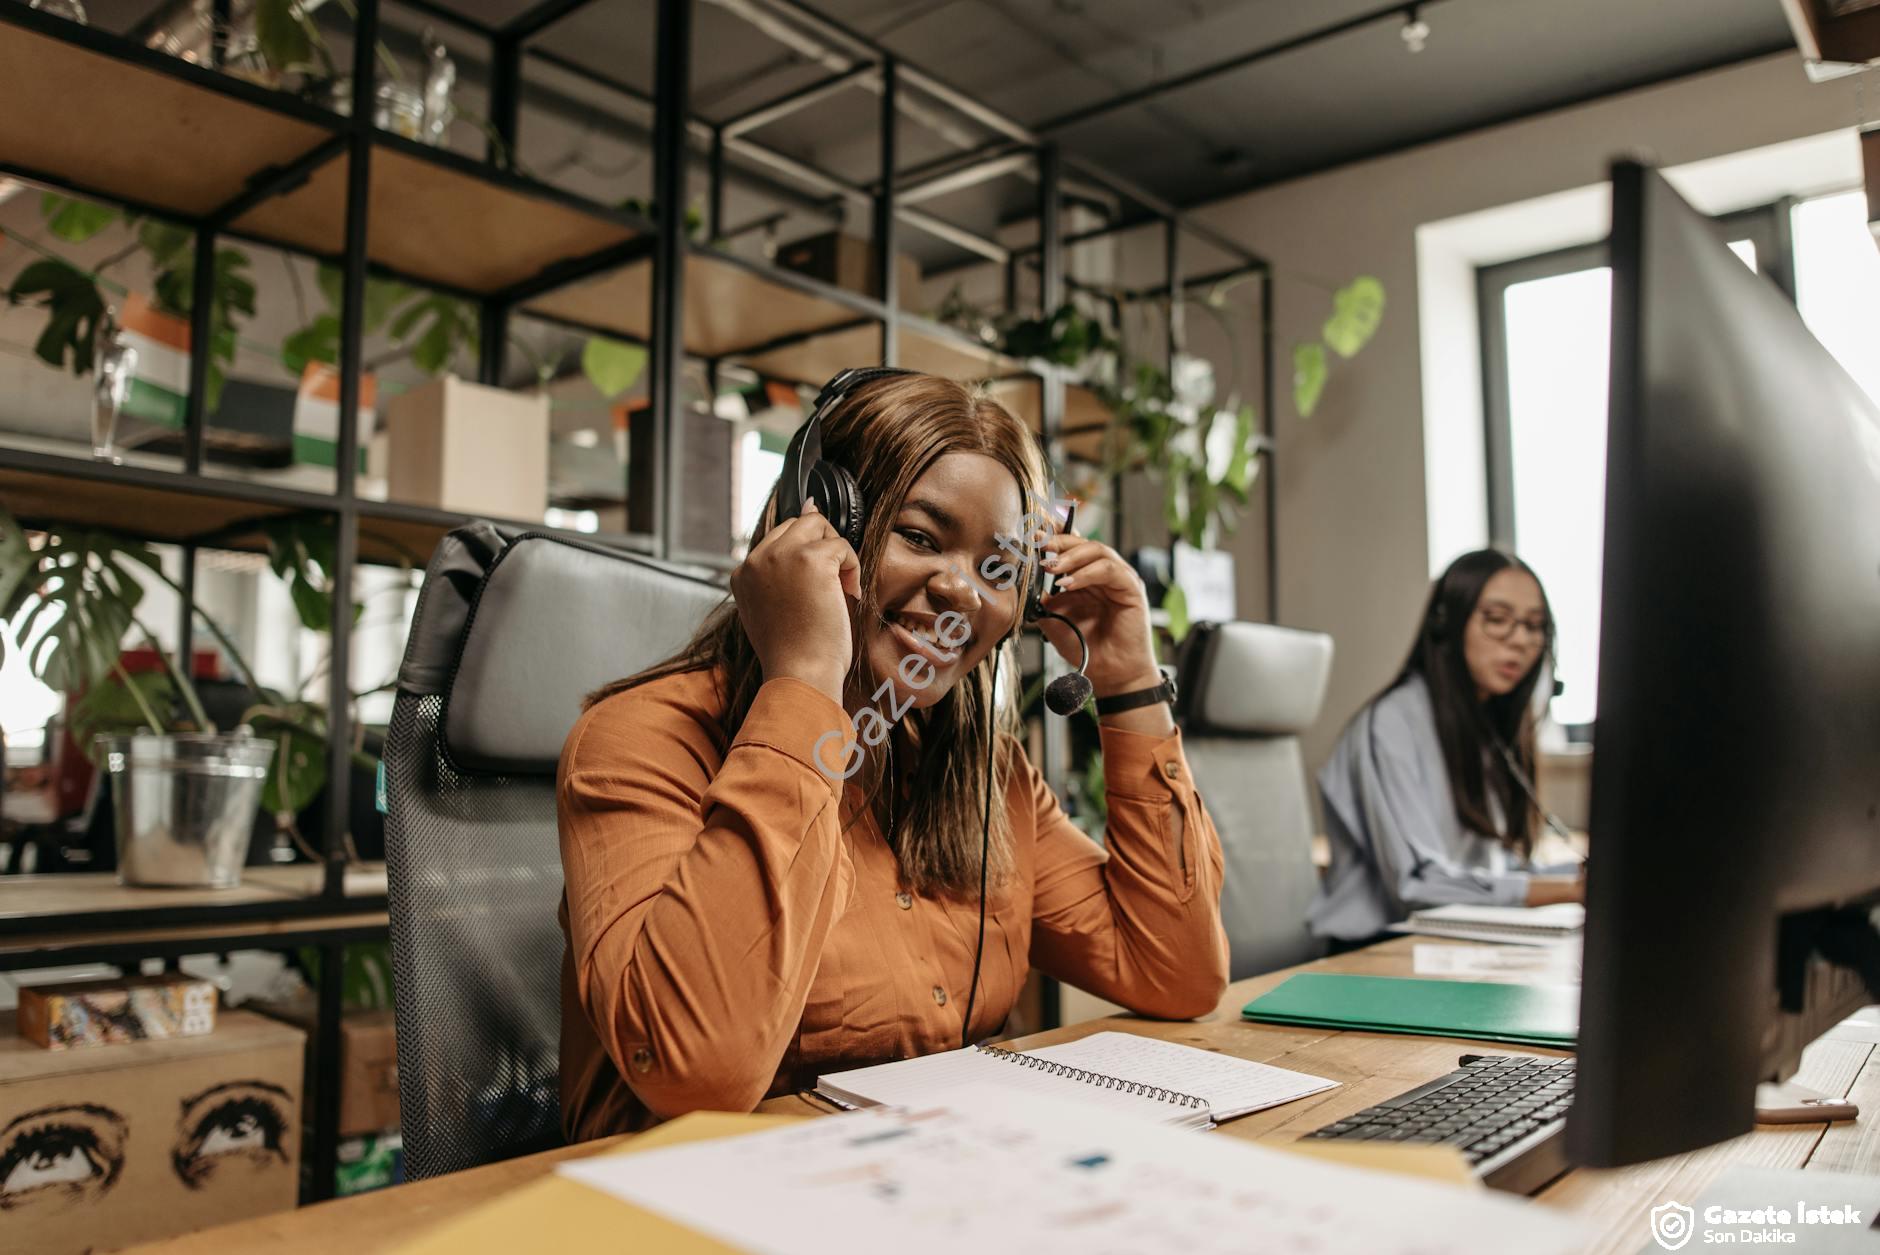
1438 632
806 473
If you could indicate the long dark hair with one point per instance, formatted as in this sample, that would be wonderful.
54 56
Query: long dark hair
1479 737
927 790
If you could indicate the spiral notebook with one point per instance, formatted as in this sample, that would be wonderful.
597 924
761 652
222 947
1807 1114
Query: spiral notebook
1129 1074
1523 925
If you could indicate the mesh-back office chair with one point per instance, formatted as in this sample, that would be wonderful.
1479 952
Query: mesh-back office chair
511 630
1248 691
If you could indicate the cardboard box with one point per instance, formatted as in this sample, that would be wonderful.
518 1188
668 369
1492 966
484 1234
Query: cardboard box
849 263
463 446
103 1148
116 1010
368 1064
368 1085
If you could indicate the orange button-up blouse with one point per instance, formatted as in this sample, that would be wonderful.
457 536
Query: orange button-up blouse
728 939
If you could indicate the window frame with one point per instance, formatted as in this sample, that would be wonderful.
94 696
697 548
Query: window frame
1767 226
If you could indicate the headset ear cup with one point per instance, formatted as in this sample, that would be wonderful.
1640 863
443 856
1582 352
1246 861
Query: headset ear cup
840 499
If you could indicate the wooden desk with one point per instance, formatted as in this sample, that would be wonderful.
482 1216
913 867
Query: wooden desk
1372 1067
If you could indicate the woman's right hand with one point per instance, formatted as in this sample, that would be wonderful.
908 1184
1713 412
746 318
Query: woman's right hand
790 598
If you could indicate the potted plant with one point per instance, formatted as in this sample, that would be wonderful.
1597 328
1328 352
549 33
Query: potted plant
184 792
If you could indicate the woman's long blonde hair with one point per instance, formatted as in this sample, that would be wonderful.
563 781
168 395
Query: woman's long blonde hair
926 784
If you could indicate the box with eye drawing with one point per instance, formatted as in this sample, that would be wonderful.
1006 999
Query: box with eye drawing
103 1148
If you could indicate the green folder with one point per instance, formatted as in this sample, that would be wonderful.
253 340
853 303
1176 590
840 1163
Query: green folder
1528 1015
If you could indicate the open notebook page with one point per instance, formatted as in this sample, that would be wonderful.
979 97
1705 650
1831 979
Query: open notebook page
929 1079
1232 1087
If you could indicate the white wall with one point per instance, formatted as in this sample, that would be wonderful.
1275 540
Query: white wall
1354 544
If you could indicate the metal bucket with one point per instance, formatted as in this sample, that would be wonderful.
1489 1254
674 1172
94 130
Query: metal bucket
185 805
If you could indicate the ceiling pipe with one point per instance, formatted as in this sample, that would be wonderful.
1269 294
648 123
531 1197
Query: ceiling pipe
811 48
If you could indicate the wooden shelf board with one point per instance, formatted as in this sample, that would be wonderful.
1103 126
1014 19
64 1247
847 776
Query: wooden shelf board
82 893
24 950
172 507
728 307
89 118
191 508
1085 415
158 140
815 361
432 221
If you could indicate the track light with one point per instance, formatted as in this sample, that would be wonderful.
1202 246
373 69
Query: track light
1416 31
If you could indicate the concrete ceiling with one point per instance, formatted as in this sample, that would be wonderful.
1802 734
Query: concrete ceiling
1345 97
1353 94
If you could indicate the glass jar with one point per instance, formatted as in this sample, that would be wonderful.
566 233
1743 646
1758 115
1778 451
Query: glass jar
69 9
113 362
398 109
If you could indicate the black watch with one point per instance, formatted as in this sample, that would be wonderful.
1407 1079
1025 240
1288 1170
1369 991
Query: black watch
1163 692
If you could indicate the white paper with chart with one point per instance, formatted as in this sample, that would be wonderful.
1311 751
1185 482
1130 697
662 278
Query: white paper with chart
1000 1170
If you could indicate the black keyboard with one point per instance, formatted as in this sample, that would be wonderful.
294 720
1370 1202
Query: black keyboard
1506 1113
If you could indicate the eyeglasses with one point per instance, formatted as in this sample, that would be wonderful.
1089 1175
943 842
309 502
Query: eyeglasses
1501 627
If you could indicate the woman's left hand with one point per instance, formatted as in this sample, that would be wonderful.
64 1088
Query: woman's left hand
1102 594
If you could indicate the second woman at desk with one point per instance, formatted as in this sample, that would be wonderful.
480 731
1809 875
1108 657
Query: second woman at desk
1429 793
739 920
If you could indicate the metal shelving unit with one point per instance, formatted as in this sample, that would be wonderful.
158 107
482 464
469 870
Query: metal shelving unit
227 158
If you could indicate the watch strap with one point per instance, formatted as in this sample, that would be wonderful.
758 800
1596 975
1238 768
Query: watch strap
1118 703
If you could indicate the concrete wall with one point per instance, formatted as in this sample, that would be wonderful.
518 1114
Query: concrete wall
1354 555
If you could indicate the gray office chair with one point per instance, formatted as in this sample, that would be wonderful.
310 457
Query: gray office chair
511 630
1247 691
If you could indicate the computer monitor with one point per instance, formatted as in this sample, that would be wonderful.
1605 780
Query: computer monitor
1736 784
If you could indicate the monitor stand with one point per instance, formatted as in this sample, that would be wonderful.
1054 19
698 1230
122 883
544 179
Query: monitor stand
1827 965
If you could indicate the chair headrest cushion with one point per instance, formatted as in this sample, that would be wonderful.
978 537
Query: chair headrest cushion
551 621
1253 679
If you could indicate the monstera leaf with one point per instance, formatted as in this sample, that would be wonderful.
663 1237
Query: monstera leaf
73 308
451 325
1356 311
298 771
84 596
123 703
75 221
1238 479
1308 377
17 564
383 296
1175 601
304 553
612 366
280 32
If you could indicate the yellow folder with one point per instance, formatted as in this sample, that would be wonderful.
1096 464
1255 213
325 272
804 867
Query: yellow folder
558 1214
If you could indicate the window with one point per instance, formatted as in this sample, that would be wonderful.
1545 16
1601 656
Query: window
1837 273
1546 330
760 456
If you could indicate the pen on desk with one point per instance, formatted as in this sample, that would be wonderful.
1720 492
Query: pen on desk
817 1100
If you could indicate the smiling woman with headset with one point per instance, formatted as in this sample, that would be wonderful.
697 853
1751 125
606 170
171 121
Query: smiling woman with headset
1429 795
741 918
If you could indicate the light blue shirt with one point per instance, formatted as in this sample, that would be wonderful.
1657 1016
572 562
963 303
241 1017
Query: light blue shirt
1397 845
